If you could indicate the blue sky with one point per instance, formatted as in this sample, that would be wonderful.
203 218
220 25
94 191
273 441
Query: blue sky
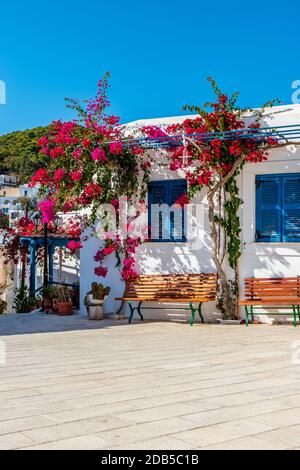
159 54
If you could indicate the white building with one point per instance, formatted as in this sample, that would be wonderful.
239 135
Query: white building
270 222
8 180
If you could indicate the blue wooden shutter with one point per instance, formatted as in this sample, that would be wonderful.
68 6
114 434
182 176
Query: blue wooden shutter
268 209
177 189
291 208
166 192
157 194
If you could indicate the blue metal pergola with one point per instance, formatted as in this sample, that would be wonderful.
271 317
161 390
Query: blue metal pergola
289 133
34 244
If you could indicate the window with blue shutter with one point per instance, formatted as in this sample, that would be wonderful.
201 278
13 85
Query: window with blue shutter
291 208
166 225
268 212
278 208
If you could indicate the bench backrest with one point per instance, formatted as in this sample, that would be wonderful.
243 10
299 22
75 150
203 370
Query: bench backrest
173 286
270 288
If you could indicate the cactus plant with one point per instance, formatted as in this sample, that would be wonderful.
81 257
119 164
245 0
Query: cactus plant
99 291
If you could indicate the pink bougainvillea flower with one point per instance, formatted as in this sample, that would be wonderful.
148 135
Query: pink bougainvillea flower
76 175
128 272
223 99
40 177
47 209
116 204
91 192
101 272
45 150
138 151
68 205
112 120
98 154
183 200
43 142
73 245
99 256
57 152
86 143
59 174
175 165
271 141
77 153
93 189
108 250
154 132
116 148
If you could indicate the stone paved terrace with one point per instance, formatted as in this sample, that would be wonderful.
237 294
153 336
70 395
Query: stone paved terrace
74 384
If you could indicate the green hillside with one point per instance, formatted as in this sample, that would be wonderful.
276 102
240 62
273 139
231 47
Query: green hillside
19 152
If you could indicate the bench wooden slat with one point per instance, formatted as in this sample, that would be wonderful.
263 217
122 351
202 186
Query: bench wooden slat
271 301
272 292
171 288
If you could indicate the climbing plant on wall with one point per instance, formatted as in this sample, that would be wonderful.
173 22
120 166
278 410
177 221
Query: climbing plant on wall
217 146
88 163
92 161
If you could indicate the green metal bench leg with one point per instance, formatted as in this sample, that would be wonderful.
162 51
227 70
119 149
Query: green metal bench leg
132 309
138 308
252 316
192 320
298 308
200 312
247 316
295 315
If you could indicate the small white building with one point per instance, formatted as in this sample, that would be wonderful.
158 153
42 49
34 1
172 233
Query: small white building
270 221
8 180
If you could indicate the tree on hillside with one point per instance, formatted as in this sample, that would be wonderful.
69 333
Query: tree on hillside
19 152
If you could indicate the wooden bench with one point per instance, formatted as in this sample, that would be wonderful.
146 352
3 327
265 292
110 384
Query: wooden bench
272 293
171 288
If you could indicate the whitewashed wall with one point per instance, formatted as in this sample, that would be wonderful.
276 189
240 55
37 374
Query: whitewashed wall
258 259
267 259
155 258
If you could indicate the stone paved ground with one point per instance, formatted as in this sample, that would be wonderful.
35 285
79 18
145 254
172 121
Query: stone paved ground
73 384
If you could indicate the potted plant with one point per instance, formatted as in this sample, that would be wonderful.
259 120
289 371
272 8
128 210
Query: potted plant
55 294
24 300
3 307
46 296
94 300
64 303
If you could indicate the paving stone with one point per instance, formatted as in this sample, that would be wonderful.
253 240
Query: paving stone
136 433
168 443
73 429
87 442
70 383
14 441
248 443
221 432
281 418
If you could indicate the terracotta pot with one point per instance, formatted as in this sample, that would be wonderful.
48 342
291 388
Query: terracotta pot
55 305
65 308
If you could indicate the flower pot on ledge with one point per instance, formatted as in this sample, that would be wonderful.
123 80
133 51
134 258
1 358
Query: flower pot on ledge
64 308
95 308
94 301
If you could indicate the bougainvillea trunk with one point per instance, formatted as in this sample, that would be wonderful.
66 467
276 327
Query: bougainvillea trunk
228 304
